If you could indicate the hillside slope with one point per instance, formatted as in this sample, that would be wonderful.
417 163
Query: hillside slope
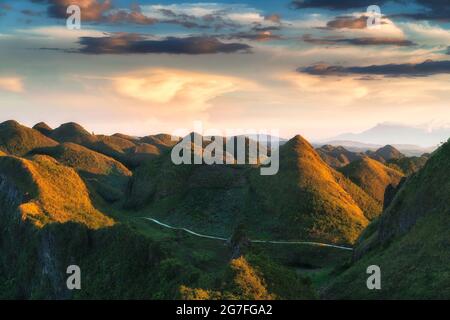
107 176
372 176
304 200
409 242
18 140
50 192
337 157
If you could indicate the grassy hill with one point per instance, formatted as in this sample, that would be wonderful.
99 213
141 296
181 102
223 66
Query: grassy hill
304 200
408 242
408 165
130 151
385 154
372 176
50 192
43 128
107 176
337 157
18 140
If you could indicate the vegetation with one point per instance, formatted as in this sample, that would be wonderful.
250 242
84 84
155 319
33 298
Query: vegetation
107 176
372 176
408 242
53 214
51 192
18 140
304 200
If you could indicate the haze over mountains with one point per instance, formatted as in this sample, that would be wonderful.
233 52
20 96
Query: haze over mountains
69 195
397 134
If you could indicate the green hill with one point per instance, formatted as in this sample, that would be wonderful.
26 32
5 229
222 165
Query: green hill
50 192
385 154
304 200
408 165
107 176
408 242
129 151
18 140
337 157
372 176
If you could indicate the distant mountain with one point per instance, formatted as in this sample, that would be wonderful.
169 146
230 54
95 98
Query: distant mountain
386 133
408 241
358 147
385 154
337 157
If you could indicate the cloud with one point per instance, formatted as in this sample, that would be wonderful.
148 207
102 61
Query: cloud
275 18
431 10
126 43
92 10
176 88
11 84
365 41
426 34
254 36
134 15
210 15
30 13
424 69
348 22
60 33
97 11
426 9
333 4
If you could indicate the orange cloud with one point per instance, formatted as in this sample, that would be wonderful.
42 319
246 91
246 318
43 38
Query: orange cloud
177 88
11 84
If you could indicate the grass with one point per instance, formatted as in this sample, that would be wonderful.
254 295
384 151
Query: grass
52 192
18 140
408 241
372 176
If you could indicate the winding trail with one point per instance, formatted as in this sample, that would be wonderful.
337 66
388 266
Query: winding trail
318 244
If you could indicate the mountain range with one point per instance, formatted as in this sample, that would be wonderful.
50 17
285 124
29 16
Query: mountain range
72 197
397 134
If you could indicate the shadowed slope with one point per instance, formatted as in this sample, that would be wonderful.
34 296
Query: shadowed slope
18 140
409 242
108 176
372 176
127 150
43 128
385 154
408 165
337 157
50 192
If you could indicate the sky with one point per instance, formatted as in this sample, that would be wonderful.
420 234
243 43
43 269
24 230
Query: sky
317 68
